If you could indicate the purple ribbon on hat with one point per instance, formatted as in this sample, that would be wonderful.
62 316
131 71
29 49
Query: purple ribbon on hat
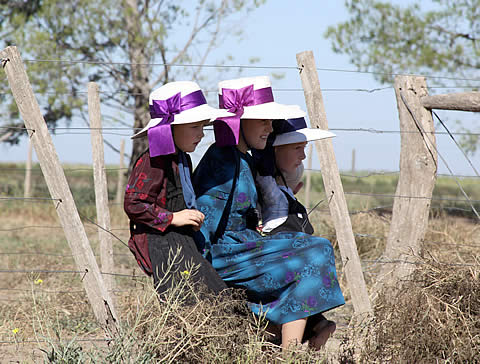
160 139
227 129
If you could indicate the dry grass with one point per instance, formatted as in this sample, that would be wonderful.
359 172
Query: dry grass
434 318
46 316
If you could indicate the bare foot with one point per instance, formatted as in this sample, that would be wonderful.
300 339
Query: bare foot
323 331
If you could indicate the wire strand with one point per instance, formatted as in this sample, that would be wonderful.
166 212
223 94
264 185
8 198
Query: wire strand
163 64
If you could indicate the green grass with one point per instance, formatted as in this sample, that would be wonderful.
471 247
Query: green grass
446 189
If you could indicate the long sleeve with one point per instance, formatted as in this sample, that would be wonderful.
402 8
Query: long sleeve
145 196
212 181
275 204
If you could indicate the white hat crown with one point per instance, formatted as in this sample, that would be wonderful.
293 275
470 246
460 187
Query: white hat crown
172 88
194 114
258 83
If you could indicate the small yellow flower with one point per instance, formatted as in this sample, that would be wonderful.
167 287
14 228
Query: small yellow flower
38 281
186 273
15 331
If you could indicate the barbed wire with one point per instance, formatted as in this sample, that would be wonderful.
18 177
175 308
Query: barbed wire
33 271
457 144
145 277
397 261
363 130
52 227
36 290
433 198
163 64
77 94
380 131
316 170
81 94
53 271
371 174
57 255
32 199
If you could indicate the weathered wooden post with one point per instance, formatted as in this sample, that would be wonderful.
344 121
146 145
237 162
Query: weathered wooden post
101 187
418 168
27 188
121 175
97 294
463 101
333 185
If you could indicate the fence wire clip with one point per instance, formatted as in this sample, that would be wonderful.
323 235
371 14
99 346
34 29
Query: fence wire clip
84 274
4 61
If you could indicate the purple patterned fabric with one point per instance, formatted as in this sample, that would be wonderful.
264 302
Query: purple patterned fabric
227 130
160 139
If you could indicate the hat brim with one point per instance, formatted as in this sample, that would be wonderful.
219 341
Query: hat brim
272 110
302 135
193 115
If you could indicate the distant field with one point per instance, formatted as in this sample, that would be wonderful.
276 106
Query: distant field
379 187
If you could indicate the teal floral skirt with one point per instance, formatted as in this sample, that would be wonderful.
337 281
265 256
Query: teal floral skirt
287 276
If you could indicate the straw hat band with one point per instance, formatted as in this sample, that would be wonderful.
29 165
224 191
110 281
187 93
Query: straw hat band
176 104
248 98
235 99
160 139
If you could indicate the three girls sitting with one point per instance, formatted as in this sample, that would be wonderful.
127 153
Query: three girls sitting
289 275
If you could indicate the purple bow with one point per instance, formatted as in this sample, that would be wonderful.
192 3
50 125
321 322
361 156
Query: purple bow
160 139
227 129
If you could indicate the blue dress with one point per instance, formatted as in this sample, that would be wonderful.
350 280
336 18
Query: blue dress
287 276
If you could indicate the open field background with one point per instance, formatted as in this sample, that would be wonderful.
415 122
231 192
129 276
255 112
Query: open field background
45 315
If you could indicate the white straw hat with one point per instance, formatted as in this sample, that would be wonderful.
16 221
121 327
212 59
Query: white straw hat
295 131
248 98
266 107
189 103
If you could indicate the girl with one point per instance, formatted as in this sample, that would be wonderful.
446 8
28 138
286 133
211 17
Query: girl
280 168
159 198
290 276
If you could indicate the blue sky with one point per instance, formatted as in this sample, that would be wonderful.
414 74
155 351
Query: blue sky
275 33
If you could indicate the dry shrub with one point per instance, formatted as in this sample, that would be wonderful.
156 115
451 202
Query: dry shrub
190 326
187 324
434 317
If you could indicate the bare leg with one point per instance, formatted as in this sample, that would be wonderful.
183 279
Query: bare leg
292 332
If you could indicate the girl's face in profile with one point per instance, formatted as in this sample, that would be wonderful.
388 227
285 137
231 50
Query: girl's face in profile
255 132
187 136
289 156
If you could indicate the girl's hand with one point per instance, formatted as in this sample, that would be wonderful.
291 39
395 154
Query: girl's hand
188 217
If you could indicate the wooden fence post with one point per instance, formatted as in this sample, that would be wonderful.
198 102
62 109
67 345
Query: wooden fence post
464 101
333 185
27 188
57 184
418 167
121 175
101 187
